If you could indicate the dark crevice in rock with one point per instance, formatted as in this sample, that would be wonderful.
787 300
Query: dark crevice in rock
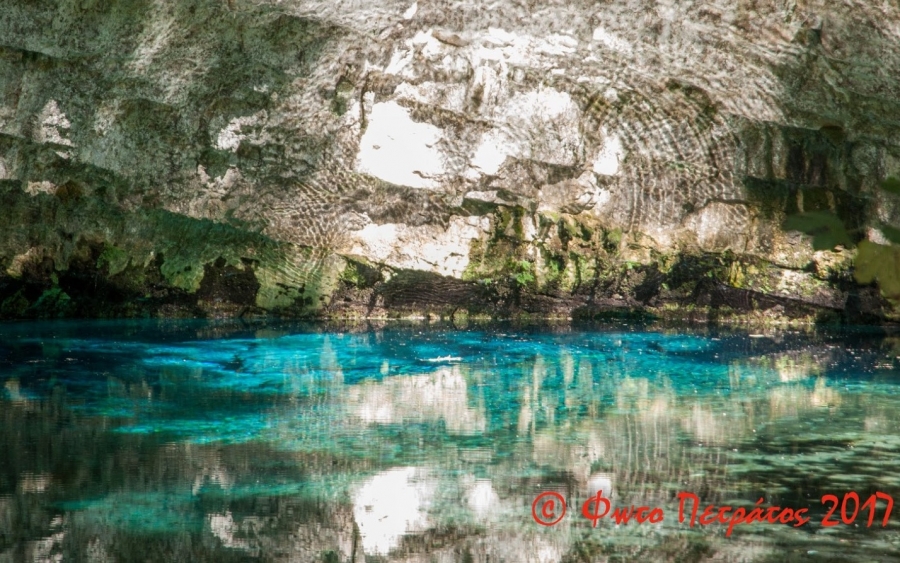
226 288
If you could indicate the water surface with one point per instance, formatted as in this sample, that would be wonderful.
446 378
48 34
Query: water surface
192 441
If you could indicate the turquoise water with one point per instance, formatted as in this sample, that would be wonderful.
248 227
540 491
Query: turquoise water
194 441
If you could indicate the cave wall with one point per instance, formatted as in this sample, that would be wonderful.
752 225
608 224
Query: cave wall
436 158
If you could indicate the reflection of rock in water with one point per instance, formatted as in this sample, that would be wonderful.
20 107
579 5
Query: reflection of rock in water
390 505
483 500
223 527
351 493
794 400
441 395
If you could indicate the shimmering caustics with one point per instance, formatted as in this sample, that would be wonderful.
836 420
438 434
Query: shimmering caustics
191 442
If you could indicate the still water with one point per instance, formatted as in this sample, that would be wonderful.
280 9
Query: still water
191 441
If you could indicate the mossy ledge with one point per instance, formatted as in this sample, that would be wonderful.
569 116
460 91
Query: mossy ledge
94 259
155 263
693 289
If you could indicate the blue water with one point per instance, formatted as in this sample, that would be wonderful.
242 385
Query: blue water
199 441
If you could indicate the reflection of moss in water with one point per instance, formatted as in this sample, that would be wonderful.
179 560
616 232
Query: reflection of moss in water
229 429
793 461
145 513
617 545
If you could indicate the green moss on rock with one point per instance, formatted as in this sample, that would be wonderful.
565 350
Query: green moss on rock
15 305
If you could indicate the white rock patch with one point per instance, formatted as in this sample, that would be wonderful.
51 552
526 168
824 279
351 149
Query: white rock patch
231 135
158 32
545 102
219 184
44 187
399 61
611 41
53 125
427 247
492 153
410 13
399 150
105 117
545 124
499 37
607 162
718 226
541 124
557 44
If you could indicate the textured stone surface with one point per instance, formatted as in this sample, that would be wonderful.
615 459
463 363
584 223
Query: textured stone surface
210 157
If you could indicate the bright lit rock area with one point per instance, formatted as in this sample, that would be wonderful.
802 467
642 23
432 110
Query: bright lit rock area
705 161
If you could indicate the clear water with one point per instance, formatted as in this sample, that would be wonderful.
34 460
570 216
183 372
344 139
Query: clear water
188 441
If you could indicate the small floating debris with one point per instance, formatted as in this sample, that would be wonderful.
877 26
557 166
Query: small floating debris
445 359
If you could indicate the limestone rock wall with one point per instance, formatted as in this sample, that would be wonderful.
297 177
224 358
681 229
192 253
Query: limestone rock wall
355 157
